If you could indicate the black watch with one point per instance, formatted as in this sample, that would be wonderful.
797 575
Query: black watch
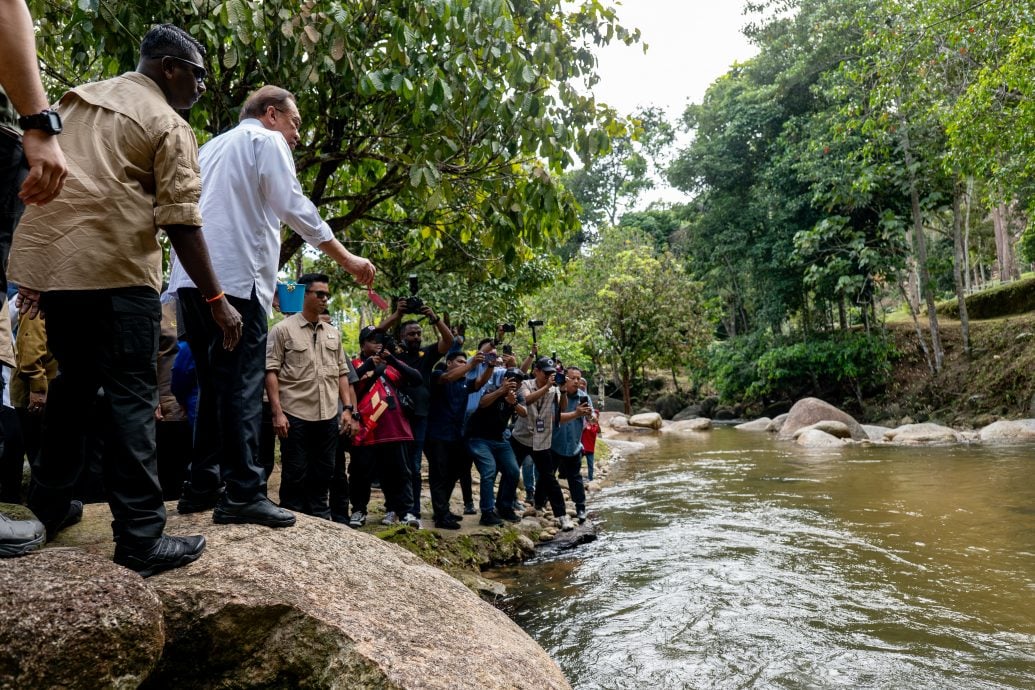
357 416
48 120
350 408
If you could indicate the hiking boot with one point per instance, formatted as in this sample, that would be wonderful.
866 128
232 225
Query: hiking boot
357 519
490 519
566 524
72 517
508 514
261 511
19 537
411 520
580 515
165 554
455 517
192 501
390 519
447 523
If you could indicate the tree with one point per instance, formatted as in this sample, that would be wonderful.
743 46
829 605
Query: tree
435 133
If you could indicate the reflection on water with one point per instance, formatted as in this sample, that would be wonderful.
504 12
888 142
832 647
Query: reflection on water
738 562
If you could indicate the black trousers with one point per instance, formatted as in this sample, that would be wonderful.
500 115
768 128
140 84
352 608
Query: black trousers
446 460
570 467
103 339
12 453
226 432
307 464
339 493
547 488
13 171
392 463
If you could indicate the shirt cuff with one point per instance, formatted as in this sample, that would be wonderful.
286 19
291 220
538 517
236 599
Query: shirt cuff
178 214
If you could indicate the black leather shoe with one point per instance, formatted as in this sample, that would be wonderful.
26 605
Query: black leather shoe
192 501
261 511
167 553
72 517
19 537
447 523
508 515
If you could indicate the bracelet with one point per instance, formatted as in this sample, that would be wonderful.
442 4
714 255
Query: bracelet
218 297
432 322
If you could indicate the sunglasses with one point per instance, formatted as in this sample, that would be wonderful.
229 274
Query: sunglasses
199 72
322 294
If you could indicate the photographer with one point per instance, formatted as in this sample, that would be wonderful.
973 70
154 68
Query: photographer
492 454
384 430
423 359
575 407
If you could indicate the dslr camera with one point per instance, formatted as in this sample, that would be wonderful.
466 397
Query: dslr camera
413 303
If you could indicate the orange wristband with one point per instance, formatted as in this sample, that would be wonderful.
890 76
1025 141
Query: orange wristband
218 297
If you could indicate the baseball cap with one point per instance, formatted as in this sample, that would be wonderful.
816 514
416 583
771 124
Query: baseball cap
368 333
545 365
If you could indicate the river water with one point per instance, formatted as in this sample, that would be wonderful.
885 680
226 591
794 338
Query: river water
729 560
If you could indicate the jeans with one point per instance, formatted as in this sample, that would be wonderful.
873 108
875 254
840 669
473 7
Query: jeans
103 339
490 457
589 464
419 427
307 465
570 467
226 433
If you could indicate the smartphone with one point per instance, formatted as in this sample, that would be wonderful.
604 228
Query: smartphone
559 378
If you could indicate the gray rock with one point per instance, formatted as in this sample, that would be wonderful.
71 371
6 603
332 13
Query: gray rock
724 414
827 426
319 605
814 438
808 411
75 620
619 422
1006 431
689 425
875 432
648 420
760 424
690 412
708 406
668 406
777 423
923 434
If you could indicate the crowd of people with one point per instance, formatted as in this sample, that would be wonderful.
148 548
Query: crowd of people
105 358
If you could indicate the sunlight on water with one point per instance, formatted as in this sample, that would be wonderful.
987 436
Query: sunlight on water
749 563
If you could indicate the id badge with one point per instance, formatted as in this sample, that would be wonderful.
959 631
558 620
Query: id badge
540 425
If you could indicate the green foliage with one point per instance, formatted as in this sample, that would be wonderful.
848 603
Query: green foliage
1017 297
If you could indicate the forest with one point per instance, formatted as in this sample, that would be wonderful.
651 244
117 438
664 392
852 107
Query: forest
871 160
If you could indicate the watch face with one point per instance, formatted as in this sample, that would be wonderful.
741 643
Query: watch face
53 122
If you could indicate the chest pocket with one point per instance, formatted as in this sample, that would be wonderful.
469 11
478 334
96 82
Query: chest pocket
329 355
296 357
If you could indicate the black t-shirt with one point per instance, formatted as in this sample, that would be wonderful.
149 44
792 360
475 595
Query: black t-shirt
490 422
424 361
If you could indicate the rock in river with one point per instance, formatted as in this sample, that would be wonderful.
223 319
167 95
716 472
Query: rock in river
808 411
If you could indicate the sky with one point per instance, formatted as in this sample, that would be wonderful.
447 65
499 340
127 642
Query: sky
690 44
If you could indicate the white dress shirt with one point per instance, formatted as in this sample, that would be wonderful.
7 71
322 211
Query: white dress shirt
248 188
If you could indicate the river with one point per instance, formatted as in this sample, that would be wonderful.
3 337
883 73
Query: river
729 560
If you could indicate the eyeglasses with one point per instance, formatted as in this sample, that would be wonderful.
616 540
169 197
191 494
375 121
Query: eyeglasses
199 71
322 294
295 119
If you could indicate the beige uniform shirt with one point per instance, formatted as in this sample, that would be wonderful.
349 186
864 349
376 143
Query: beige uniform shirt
536 429
309 361
133 166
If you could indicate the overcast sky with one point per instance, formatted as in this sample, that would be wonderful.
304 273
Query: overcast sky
690 44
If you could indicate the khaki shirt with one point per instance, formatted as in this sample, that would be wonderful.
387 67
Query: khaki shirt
36 366
545 408
133 167
309 362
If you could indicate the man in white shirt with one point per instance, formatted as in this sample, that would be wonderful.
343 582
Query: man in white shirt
249 187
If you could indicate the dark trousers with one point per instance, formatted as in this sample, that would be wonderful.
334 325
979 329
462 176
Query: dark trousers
547 488
414 451
339 490
267 441
306 465
226 433
13 171
393 467
174 451
103 339
12 453
570 467
446 460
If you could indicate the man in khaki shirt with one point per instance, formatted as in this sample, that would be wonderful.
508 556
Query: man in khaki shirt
306 376
91 260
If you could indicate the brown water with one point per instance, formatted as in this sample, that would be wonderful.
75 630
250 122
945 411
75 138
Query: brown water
733 561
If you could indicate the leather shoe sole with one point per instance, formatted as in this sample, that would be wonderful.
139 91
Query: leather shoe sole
258 512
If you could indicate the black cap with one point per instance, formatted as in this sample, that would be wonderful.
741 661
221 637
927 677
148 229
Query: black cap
545 365
514 373
368 333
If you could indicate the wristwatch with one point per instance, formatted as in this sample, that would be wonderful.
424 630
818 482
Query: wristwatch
47 120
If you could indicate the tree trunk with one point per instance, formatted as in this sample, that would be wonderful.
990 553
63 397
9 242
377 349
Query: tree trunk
842 313
626 385
916 326
966 233
1001 242
958 270
920 247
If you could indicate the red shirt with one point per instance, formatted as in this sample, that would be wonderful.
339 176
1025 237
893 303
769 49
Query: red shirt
589 437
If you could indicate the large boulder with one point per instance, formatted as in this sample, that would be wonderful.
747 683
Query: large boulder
875 432
760 424
690 412
75 620
924 433
827 426
646 420
668 406
814 438
777 423
319 605
1008 431
689 425
808 411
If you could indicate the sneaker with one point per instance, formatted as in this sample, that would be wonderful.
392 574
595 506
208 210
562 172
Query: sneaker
19 537
509 515
411 520
390 519
192 501
261 511
166 553
580 515
72 517
566 524
357 519
447 523
490 519
469 509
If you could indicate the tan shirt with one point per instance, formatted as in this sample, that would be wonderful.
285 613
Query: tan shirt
526 430
309 362
133 167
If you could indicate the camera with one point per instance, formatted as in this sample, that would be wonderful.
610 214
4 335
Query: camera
388 344
508 327
413 303
490 358
559 377
508 349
